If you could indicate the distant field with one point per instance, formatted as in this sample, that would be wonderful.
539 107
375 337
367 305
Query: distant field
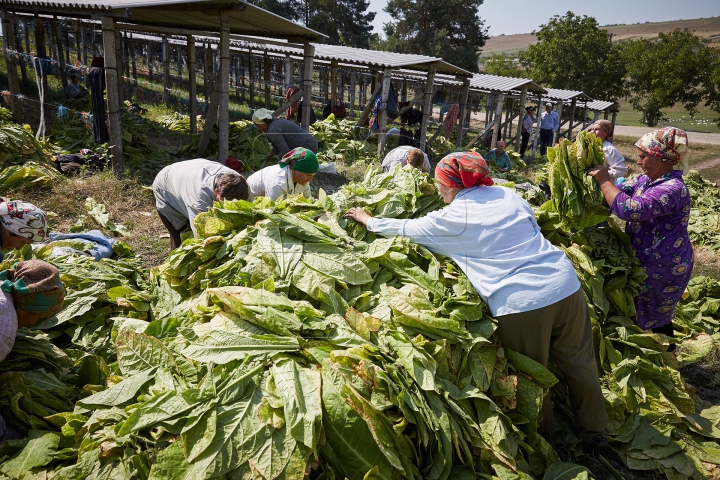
705 27
677 117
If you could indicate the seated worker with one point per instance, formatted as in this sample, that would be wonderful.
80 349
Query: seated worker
406 155
185 189
21 224
74 90
291 176
283 135
500 157
29 292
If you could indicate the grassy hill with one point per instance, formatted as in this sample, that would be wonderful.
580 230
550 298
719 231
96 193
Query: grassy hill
706 27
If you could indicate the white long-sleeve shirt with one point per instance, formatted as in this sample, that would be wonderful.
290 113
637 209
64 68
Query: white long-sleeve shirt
492 235
8 324
614 161
398 155
274 182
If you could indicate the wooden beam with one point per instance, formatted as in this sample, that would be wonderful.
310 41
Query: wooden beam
166 70
308 55
352 93
13 82
251 103
288 70
192 87
111 80
210 119
266 75
119 66
134 64
333 83
368 108
537 125
463 111
294 98
386 85
489 129
417 99
573 106
19 48
556 134
518 134
223 84
427 108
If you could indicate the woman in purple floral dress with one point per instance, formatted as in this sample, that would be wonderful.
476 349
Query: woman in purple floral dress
656 206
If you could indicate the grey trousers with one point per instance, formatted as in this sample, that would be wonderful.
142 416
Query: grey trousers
561 331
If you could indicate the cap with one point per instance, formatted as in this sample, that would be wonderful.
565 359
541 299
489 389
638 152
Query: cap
549 104
261 114
234 164
530 108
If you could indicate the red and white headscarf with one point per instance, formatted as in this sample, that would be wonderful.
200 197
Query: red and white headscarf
668 144
463 169
24 220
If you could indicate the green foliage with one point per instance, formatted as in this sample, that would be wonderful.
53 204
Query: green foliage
450 29
506 65
713 82
661 72
573 53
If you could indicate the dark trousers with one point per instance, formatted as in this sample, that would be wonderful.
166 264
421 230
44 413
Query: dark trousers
561 331
546 140
523 146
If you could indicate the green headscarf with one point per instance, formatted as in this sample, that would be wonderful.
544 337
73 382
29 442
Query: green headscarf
36 289
302 160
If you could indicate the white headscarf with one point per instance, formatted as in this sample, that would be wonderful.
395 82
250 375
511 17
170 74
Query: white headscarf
24 220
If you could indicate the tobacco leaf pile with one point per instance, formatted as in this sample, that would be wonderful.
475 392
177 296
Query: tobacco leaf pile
287 341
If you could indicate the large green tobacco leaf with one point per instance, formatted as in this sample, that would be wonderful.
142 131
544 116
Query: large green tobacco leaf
137 352
39 451
336 263
119 393
300 389
223 347
566 471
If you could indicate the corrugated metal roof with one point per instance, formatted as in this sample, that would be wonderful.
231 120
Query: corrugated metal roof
498 84
602 105
362 57
244 18
566 95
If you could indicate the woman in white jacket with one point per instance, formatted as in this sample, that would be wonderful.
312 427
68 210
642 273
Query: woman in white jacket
615 162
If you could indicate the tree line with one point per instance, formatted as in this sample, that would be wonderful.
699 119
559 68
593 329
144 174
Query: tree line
573 53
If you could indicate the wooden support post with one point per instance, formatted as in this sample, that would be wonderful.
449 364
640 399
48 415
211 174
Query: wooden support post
192 90
134 65
19 48
223 84
119 65
251 103
404 91
242 77
614 117
77 40
427 107
518 134
294 98
266 74
49 37
556 134
207 72
210 119
463 110
386 78
585 114
352 94
333 83
537 125
596 115
573 105
368 108
491 127
166 69
605 116
149 62
288 70
84 44
179 60
111 80
13 82
308 54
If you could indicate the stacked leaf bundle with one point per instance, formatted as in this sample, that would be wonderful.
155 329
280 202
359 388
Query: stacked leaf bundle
41 382
339 141
245 142
575 195
704 225
177 122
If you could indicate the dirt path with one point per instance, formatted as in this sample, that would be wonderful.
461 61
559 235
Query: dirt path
697 137
708 164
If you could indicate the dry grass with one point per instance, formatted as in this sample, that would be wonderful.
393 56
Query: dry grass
127 202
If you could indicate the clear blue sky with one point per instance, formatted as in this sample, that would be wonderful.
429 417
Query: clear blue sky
523 16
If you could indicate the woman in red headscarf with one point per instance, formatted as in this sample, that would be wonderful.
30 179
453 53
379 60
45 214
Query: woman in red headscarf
529 285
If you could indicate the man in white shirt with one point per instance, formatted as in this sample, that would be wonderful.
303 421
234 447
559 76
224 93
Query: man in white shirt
404 155
185 189
549 125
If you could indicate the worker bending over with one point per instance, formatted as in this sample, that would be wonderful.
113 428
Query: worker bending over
406 155
284 135
185 189
291 176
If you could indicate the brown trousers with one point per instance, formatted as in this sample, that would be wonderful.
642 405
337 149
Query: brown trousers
561 331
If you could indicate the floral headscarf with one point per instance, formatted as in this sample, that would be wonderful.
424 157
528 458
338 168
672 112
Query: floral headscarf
302 160
24 220
463 169
668 144
36 290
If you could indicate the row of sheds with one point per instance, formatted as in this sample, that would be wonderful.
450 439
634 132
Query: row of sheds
236 26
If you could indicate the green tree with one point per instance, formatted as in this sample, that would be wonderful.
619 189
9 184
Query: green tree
661 72
505 65
451 29
713 82
345 22
573 53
